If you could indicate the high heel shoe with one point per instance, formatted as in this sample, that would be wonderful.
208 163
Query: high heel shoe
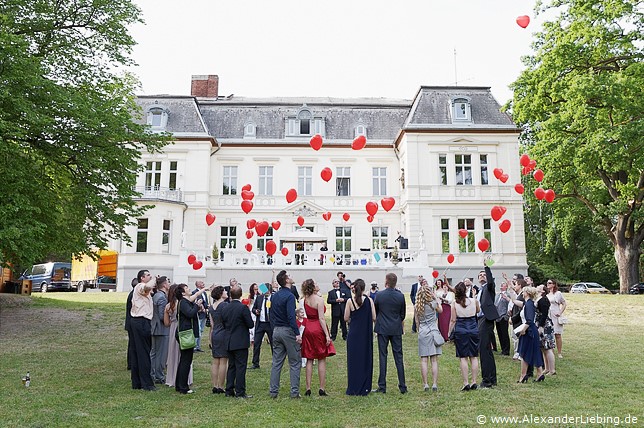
524 379
323 393
540 378
465 388
307 393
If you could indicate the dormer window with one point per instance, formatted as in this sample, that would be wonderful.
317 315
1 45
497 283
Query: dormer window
157 117
461 111
304 123
304 118
360 129
250 130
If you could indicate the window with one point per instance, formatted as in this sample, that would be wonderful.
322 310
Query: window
304 123
484 179
261 240
343 181
157 117
319 128
442 168
172 182
379 181
466 245
228 237
165 237
379 237
265 180
445 235
343 241
152 175
142 236
304 117
461 110
230 180
463 165
360 130
487 232
250 130
304 180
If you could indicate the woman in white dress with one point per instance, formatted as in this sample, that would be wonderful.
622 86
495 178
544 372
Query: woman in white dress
557 307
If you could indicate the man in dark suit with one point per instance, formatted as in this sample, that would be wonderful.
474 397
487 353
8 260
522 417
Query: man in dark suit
159 350
412 295
338 301
390 313
237 321
487 318
262 324
202 314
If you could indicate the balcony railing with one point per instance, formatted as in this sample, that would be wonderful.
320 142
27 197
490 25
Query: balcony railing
159 193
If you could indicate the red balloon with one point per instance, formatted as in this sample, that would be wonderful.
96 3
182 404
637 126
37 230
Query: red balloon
326 216
326 174
483 244
271 247
369 218
504 178
300 221
462 233
387 203
372 208
346 216
261 228
245 302
250 224
539 193
519 188
523 21
284 251
532 164
526 170
276 225
247 206
249 234
524 160
538 175
247 195
291 195
210 218
505 225
498 172
359 142
246 187
549 196
197 265
192 259
496 212
435 274
450 258
316 142
249 247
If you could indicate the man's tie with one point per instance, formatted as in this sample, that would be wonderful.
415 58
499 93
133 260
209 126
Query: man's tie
265 309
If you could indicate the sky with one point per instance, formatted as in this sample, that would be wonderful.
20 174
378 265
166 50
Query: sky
334 48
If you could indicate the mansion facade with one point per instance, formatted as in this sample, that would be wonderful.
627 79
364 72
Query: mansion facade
433 154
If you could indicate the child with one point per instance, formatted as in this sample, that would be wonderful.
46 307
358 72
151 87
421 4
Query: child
301 323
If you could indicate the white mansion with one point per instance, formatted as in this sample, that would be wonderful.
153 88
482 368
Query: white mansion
434 155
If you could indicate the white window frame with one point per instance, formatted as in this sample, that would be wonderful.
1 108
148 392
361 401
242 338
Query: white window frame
342 176
229 178
461 110
305 180
485 173
379 237
379 181
265 180
464 167
442 169
142 234
166 235
152 175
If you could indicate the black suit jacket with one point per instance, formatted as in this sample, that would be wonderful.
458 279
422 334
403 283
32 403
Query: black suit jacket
337 308
414 291
237 321
257 308
487 297
187 316
390 312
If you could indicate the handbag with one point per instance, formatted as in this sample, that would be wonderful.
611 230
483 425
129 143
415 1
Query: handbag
521 329
438 338
187 338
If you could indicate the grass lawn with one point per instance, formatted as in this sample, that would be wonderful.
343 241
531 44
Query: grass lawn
74 346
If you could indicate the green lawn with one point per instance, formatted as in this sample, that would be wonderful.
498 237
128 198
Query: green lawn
74 346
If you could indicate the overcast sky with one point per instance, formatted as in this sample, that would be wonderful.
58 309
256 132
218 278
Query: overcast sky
338 48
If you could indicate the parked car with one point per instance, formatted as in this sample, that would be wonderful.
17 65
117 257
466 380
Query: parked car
589 288
49 276
636 288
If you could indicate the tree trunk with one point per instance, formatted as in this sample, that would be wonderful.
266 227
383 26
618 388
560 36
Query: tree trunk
627 256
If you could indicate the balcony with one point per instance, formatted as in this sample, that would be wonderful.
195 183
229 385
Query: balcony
156 193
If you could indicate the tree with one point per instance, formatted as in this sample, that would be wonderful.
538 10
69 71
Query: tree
69 142
581 97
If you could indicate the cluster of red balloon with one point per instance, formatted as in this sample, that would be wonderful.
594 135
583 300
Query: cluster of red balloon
372 208
497 212
247 199
196 264
261 228
483 244
528 165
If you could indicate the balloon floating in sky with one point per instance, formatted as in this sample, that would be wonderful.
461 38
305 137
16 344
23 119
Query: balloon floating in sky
261 228
246 206
192 258
523 21
250 224
246 187
387 203
276 225
504 226
359 142
435 274
549 195
291 195
346 216
372 208
450 258
249 247
519 188
284 251
197 265
210 218
462 233
300 221
271 247
326 174
539 193
316 142
326 216
483 244
524 160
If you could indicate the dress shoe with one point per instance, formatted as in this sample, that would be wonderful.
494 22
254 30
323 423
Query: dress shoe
465 388
485 385
434 388
218 391
150 388
253 367
426 388
540 378
198 350
273 395
229 394
244 397
307 393
403 390
323 393
474 387
379 391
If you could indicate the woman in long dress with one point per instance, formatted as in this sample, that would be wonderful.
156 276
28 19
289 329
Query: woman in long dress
466 334
170 319
557 307
360 314
446 298
316 341
426 308
219 364
529 343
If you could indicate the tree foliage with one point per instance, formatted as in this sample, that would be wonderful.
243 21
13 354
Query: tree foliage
69 145
581 98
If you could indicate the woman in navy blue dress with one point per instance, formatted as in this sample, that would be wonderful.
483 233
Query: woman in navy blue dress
529 342
360 313
466 334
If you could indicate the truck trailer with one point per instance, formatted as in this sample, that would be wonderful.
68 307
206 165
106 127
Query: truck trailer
98 274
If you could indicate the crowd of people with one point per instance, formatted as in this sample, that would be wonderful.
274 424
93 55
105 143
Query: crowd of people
296 328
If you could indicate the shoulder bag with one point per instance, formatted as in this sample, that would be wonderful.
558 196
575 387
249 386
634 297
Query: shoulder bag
187 338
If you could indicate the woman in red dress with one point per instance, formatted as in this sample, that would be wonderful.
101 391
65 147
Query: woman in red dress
316 342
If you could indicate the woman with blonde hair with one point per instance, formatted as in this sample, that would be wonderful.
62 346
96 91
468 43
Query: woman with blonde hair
466 334
316 341
529 343
430 339
557 307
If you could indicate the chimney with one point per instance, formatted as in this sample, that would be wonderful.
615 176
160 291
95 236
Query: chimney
205 86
